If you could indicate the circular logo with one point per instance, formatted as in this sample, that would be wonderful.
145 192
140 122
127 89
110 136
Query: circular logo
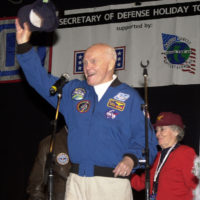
78 94
83 106
62 158
178 53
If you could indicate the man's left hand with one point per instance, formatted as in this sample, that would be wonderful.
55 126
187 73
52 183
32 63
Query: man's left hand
124 168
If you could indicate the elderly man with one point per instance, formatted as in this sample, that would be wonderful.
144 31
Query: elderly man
106 135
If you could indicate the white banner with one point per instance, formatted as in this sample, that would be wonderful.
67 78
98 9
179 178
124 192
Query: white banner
165 33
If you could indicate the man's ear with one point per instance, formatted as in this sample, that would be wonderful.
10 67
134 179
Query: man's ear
111 65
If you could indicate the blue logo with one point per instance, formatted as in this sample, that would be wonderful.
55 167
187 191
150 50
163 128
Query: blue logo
178 53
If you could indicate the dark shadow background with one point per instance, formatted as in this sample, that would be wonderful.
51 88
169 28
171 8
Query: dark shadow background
25 117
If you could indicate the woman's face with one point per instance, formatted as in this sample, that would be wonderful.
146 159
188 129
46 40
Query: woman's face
166 136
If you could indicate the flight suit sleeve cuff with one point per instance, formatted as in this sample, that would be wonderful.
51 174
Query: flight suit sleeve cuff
23 48
133 157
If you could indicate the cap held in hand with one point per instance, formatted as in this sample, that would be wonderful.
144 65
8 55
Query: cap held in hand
40 15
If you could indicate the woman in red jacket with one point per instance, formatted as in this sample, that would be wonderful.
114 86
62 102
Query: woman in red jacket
171 176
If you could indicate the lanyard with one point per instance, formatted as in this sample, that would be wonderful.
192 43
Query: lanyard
163 161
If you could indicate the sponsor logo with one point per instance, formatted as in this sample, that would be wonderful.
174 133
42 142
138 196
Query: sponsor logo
178 53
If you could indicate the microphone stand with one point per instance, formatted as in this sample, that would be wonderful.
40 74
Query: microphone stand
145 108
51 155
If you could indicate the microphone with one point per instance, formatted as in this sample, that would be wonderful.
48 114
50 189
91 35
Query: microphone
59 84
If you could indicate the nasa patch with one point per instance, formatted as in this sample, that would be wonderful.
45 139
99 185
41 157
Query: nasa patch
83 106
78 94
111 114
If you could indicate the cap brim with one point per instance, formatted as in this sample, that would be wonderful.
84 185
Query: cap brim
160 124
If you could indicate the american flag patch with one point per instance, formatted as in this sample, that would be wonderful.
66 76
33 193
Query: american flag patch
78 60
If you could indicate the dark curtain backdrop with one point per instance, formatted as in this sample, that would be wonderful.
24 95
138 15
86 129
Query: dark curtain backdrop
25 120
25 117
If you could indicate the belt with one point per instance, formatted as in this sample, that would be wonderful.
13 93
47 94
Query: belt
98 171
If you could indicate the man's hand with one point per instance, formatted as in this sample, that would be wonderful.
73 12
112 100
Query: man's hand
124 168
22 34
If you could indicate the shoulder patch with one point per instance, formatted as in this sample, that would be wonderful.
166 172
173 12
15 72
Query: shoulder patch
62 158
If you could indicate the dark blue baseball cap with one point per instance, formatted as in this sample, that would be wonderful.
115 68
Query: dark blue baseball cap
40 15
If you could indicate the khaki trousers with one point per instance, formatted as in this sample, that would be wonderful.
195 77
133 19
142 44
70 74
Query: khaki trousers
97 188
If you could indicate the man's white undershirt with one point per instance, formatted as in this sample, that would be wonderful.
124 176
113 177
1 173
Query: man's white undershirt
101 88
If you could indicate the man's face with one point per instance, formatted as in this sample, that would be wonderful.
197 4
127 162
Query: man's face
97 65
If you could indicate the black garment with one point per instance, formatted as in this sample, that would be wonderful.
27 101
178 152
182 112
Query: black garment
37 188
